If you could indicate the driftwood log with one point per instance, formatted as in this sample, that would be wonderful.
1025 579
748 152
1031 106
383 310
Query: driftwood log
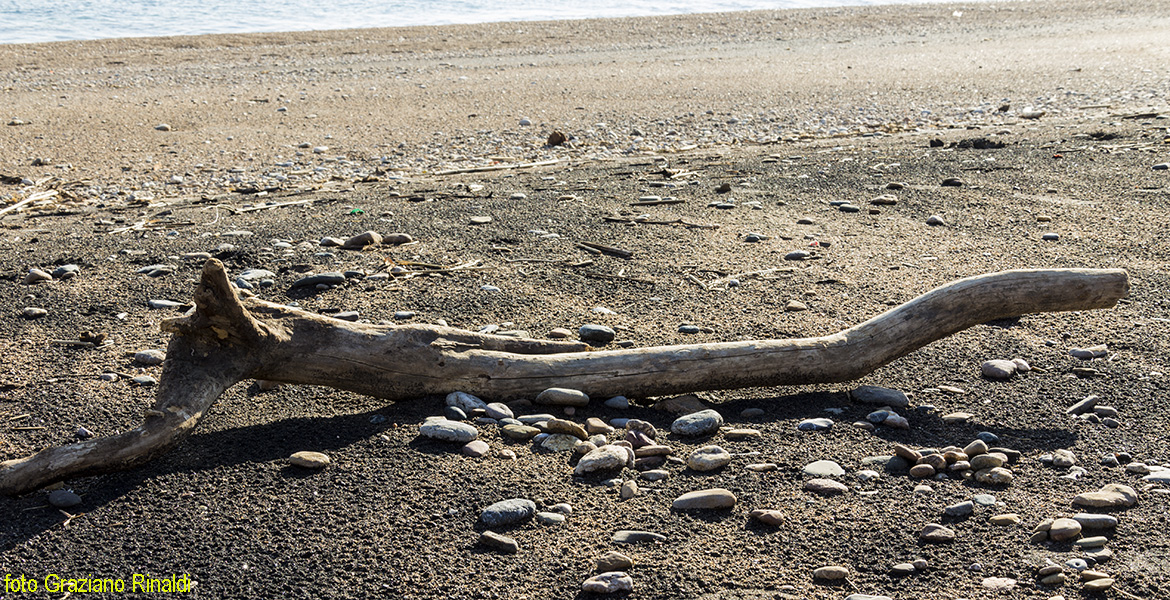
225 340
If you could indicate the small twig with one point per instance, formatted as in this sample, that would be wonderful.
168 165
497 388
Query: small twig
583 263
26 428
619 278
32 198
20 417
607 249
69 518
533 260
542 163
696 281
657 202
268 206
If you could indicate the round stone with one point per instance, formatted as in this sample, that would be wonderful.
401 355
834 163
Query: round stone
879 396
309 460
476 448
63 499
998 369
563 397
508 512
767 516
614 561
1064 529
150 357
605 458
703 422
596 334
709 458
608 583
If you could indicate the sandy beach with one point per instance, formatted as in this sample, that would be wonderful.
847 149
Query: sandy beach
763 175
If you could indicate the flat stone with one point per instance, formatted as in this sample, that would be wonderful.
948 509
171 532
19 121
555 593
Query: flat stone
614 561
520 433
605 458
831 573
608 583
1098 585
560 442
627 536
1113 495
566 427
448 431
499 542
508 512
361 240
902 569
715 498
825 486
818 424
465 402
742 434
880 396
866 597
63 499
1095 541
999 584
957 417
1063 458
618 402
1089 353
594 426
961 509
768 516
309 460
33 312
596 334
998 369
1095 521
996 476
709 458
934 532
36 276
762 467
823 468
563 397
1005 519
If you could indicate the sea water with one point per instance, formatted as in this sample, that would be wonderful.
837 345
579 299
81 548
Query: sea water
53 20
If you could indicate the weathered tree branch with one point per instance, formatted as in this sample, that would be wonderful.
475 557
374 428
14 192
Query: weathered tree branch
225 340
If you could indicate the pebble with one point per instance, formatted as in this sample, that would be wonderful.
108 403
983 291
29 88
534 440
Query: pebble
497 410
454 413
654 474
831 573
1098 585
36 276
309 460
1050 237
608 583
1005 519
1090 353
550 518
996 476
902 570
1085 405
618 402
1063 458
962 509
998 369
752 413
361 240
983 499
823 468
934 532
866 597
63 499
627 536
880 396
70 271
508 512
999 584
819 424
700 423
709 458
742 434
797 255
715 498
1062 530
160 304
596 334
935 221
922 471
563 397
475 448
605 458
448 431
33 312
1077 564
825 486
502 543
150 357
795 306
767 516
629 490
1095 521
1113 495
689 329
762 467
143 380
1091 542
614 561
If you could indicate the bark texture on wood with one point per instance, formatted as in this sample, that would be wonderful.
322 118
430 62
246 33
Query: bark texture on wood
225 340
